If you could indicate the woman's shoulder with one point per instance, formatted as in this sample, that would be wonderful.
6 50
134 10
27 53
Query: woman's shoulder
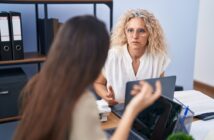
116 51
85 119
159 60
87 99
158 56
85 105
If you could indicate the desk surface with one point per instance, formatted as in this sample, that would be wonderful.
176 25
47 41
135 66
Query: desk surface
112 122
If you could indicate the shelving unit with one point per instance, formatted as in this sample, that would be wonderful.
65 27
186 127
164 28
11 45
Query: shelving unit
10 119
36 57
109 3
30 57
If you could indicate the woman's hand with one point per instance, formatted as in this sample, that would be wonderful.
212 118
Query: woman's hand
144 96
110 96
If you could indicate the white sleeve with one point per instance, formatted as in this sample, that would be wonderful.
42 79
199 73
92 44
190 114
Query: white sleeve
165 62
107 66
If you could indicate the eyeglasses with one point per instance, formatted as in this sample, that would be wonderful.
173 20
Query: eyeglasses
141 32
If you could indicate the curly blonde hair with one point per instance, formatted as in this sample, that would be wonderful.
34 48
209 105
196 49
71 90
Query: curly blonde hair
156 40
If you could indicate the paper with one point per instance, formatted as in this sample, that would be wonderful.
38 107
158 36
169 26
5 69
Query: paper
202 129
104 109
198 102
210 135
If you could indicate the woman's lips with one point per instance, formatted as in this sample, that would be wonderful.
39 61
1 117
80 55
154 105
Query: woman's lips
135 42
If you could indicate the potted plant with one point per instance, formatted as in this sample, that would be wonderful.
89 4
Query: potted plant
180 136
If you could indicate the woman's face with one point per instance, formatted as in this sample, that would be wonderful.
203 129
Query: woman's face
136 34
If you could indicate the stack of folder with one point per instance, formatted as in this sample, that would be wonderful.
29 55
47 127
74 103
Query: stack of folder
48 29
104 110
11 36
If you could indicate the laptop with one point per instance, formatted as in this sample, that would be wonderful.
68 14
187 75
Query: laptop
167 83
168 87
158 120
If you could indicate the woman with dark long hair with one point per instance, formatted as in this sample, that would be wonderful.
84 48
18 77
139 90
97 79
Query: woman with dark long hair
58 105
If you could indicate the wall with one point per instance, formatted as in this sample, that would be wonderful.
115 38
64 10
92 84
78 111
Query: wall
204 62
179 21
178 18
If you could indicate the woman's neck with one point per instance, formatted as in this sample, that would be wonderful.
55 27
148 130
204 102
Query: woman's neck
136 55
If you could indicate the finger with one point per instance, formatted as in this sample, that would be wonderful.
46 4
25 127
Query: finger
107 94
115 102
109 98
141 83
112 101
158 87
146 87
136 87
110 91
110 88
158 91
135 90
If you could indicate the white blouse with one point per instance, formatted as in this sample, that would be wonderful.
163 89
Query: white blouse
118 69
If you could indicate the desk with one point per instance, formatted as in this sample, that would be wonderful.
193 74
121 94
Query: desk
112 122
199 129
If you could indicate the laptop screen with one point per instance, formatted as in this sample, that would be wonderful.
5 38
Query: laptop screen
158 120
167 83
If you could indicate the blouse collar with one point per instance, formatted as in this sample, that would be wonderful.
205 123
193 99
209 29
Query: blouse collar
128 56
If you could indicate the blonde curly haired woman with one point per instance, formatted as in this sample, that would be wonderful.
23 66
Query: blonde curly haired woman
138 51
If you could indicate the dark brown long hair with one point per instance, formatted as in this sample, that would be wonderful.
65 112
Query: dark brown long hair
73 63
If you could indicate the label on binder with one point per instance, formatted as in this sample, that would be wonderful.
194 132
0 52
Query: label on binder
16 23
4 29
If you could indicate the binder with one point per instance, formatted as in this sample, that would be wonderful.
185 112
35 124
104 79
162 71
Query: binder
47 32
5 41
16 35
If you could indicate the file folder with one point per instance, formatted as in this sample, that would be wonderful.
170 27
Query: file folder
47 31
16 35
5 41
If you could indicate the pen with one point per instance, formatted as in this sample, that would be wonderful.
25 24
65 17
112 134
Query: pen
185 114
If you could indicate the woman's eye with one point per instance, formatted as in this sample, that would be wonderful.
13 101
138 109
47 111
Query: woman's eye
141 30
130 30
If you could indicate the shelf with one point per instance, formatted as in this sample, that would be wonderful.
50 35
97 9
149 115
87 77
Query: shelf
30 57
56 1
9 119
108 3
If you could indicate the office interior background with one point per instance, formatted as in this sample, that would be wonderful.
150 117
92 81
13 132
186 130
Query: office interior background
188 26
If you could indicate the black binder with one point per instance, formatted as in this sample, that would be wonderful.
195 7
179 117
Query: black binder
47 32
16 35
5 41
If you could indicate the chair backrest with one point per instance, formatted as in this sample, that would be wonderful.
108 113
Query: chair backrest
7 130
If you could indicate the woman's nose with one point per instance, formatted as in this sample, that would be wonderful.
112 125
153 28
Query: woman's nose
135 34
